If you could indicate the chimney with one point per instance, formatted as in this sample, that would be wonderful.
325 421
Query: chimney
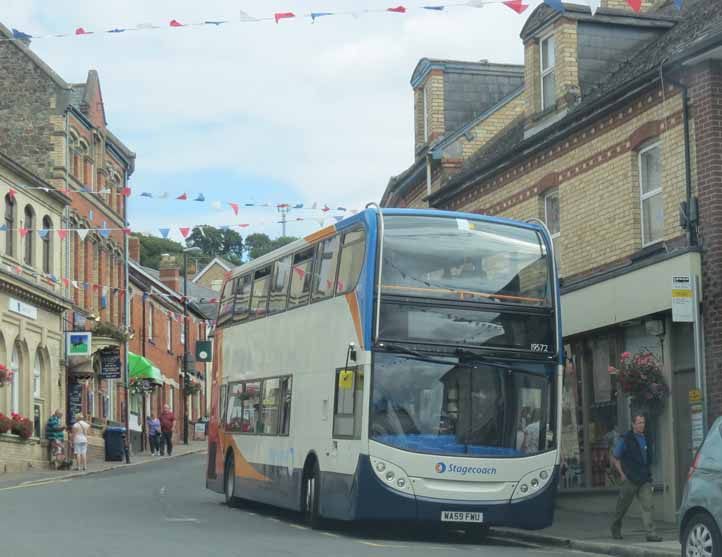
170 272
134 248
623 5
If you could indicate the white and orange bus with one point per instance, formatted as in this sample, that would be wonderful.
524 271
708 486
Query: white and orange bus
402 364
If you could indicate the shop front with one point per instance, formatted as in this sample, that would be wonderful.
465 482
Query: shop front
618 333
144 377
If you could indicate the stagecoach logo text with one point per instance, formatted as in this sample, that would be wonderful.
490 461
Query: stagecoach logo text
464 470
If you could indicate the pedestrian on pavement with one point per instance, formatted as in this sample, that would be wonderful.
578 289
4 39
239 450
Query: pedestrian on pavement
80 442
167 421
631 459
154 434
55 432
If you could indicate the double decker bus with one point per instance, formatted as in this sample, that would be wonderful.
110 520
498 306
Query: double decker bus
400 365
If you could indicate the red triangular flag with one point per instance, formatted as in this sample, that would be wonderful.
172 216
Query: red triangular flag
326 209
397 10
121 293
62 233
517 5
126 230
96 286
81 31
283 15
66 282
176 23
213 301
19 270
234 206
184 230
636 5
182 197
300 272
126 192
244 225
24 231
11 193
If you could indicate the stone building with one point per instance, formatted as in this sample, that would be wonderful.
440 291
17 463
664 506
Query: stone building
156 317
213 274
32 305
613 141
58 131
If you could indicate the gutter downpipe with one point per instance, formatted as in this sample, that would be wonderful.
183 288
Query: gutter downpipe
126 313
66 313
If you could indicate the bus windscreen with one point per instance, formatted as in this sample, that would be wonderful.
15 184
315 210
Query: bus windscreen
463 259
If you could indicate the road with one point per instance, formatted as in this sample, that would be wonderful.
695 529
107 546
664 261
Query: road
162 508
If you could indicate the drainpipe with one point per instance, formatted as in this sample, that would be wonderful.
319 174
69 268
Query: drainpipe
126 313
66 313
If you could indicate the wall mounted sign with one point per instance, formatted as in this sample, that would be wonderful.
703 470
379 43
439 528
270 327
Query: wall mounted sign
110 367
79 344
26 310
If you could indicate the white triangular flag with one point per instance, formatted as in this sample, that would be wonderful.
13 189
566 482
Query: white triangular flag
476 3
594 5
217 205
247 18
82 233
75 284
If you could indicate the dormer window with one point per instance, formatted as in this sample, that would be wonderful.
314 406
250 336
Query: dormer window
548 81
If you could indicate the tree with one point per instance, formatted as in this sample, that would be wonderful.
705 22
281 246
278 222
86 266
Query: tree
152 247
217 242
260 244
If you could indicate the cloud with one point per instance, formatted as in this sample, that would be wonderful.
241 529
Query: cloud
324 110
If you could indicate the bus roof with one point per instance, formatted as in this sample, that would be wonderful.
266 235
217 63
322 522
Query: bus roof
366 216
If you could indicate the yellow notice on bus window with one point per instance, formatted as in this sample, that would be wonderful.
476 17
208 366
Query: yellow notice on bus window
345 379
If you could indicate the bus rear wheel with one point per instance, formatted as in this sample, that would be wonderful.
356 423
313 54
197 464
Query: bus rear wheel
310 497
229 483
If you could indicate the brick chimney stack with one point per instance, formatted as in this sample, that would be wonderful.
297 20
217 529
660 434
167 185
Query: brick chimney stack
170 272
134 248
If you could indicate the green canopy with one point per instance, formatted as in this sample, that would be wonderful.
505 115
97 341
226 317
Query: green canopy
142 368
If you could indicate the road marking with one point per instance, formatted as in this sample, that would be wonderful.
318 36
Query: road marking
181 519
297 527
329 534
34 484
372 544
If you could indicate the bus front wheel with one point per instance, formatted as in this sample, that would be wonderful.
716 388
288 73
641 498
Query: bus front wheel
311 497
229 483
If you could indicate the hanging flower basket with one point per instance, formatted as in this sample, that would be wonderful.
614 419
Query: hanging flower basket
21 426
192 388
5 423
640 377
140 386
6 376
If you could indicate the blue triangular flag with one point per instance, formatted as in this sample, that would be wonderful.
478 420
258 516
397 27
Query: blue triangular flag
677 3
117 31
341 209
104 232
3 228
146 194
164 232
86 285
200 197
315 15
53 278
216 23
299 206
338 218
555 4
250 204
20 35
43 232
437 8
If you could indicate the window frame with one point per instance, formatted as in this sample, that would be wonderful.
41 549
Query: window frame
317 262
274 274
29 243
46 242
169 333
10 217
356 407
314 250
544 72
253 314
283 382
342 249
554 192
650 194
236 288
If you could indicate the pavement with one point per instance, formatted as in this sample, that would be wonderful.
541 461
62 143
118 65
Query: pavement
33 476
589 532
163 508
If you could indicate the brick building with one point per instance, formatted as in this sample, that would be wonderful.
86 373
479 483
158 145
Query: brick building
614 132
58 131
156 317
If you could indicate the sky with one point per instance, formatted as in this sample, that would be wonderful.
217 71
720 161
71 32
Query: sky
293 112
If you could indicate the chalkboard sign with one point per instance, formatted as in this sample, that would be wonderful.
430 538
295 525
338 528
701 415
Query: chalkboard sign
110 363
75 401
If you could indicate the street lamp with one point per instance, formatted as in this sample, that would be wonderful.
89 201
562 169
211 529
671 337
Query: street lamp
194 250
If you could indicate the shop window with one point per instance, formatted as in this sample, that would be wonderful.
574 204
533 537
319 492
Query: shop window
352 261
242 298
326 268
652 201
548 79
301 278
259 299
348 403
279 285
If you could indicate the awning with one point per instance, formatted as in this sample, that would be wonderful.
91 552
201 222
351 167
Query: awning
142 368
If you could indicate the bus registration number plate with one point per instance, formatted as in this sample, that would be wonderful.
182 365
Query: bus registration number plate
461 516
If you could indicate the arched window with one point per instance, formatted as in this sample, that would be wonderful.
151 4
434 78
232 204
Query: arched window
30 225
37 375
47 244
15 369
9 225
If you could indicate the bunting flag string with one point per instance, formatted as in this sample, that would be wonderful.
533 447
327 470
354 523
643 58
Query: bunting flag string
277 17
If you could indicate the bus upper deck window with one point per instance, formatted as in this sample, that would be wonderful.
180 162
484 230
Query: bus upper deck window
301 278
242 298
261 283
325 274
352 260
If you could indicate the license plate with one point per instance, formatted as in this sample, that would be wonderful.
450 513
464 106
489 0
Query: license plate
461 516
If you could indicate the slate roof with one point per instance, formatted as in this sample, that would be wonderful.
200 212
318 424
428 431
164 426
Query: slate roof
201 294
701 21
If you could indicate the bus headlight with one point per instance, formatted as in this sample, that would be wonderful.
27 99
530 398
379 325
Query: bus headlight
532 483
391 475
